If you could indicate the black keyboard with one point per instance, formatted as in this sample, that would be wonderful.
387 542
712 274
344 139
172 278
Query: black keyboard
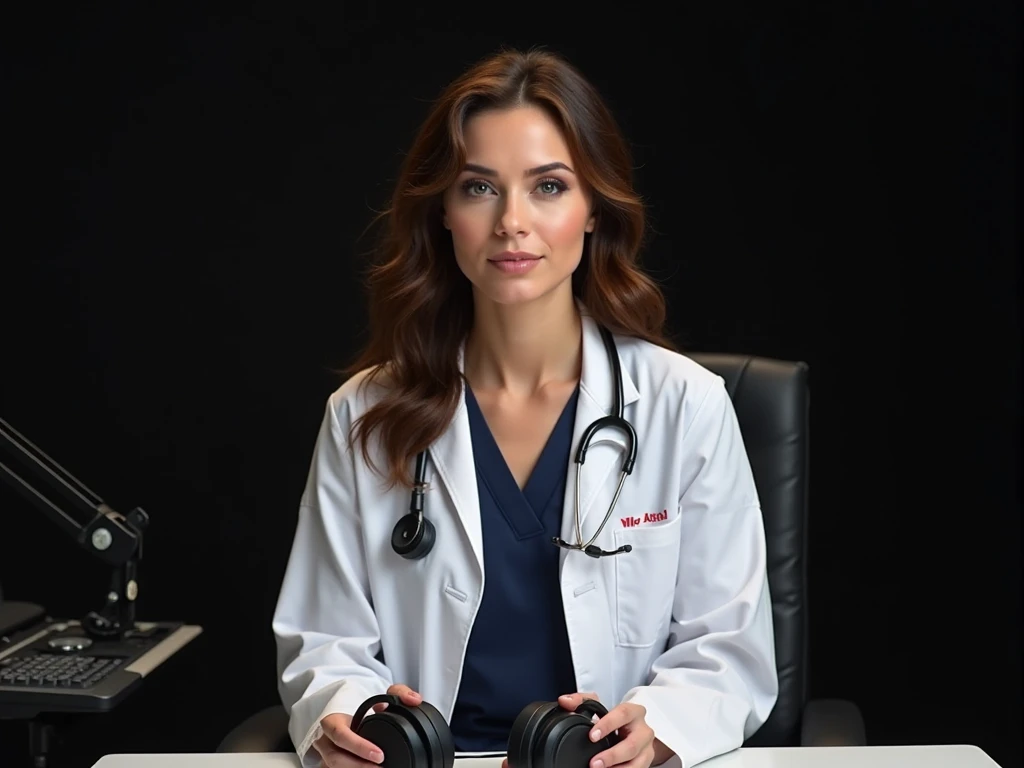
50 671
54 667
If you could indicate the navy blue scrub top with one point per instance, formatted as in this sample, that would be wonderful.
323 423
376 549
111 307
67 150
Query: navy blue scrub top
519 647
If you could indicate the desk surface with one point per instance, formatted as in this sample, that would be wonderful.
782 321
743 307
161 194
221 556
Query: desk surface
954 756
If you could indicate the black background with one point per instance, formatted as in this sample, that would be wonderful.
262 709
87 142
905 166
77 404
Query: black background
836 183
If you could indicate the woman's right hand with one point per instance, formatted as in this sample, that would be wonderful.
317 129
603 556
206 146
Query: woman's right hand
340 747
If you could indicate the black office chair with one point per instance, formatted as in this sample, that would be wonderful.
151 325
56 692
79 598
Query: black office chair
772 400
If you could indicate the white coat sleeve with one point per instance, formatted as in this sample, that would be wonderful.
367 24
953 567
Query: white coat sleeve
324 624
716 682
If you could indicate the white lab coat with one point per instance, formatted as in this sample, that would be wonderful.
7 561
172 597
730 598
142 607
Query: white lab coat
682 624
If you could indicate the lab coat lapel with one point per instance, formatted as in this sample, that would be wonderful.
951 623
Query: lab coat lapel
452 455
607 448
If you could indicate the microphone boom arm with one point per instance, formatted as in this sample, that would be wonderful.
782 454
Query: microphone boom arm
113 538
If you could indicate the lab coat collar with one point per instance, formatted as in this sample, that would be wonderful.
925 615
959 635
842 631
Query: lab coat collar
452 455
597 378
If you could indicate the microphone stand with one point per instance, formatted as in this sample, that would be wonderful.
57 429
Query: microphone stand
113 538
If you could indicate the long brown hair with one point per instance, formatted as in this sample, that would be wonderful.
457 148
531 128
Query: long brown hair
421 305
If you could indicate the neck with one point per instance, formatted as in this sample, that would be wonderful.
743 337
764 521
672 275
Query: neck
523 348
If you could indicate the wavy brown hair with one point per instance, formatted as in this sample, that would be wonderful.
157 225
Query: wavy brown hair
421 305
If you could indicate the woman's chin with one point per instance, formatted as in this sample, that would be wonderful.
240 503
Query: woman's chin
508 292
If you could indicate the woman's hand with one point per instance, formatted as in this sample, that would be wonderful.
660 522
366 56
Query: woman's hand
637 747
341 747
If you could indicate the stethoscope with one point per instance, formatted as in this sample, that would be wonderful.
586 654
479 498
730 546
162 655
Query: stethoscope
413 535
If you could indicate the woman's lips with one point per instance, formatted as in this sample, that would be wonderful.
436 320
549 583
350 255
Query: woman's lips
515 262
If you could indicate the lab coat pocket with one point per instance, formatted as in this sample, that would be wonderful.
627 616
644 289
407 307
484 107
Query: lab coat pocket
645 582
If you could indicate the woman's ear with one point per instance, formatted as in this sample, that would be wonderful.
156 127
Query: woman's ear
591 222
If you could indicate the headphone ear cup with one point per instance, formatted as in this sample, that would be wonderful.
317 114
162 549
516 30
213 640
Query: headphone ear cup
409 735
440 744
410 543
545 735
522 739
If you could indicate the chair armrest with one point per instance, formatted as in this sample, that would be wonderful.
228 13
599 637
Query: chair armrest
266 731
831 723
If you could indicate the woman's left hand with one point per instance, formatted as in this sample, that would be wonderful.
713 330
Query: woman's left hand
637 747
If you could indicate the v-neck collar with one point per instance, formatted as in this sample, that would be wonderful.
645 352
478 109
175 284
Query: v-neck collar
525 509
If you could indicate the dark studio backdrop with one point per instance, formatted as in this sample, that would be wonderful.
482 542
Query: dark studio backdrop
838 184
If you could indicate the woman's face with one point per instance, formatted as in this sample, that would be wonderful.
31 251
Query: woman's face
517 212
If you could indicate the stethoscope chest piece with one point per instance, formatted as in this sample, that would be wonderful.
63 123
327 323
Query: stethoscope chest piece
413 537
545 735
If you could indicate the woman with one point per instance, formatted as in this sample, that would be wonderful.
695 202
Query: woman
511 244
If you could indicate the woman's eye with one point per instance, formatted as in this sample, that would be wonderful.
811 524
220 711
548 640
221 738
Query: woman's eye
548 188
551 187
476 188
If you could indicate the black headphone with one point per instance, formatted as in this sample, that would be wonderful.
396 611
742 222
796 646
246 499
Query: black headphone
546 735
413 535
409 736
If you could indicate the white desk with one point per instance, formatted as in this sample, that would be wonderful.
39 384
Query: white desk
775 757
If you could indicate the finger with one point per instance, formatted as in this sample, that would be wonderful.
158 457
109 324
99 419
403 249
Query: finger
572 700
331 756
406 694
345 738
504 763
617 717
626 751
642 760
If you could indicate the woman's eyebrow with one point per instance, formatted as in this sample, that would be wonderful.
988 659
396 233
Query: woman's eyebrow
547 168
